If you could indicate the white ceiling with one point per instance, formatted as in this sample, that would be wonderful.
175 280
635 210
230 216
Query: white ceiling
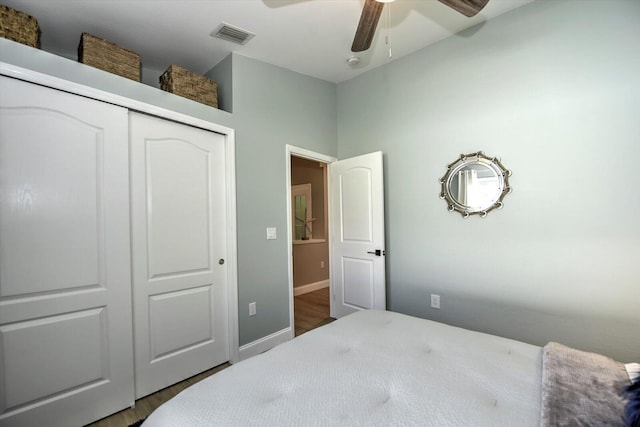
312 37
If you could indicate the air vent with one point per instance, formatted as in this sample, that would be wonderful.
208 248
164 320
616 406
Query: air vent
232 34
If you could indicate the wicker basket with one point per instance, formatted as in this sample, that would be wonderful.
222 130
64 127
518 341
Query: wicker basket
107 56
190 85
18 26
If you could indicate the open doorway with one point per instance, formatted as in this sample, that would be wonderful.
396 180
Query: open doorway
354 230
310 245
310 284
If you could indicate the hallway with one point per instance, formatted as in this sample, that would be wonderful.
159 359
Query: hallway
311 310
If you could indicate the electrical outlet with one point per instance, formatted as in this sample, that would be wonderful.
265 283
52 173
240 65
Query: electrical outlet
252 309
435 301
321 264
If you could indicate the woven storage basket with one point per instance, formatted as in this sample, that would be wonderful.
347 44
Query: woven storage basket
18 26
190 85
107 56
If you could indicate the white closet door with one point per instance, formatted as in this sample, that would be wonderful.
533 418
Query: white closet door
65 290
179 244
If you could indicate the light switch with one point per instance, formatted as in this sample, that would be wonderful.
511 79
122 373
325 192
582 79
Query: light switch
435 301
272 233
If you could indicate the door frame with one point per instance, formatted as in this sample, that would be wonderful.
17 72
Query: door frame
231 260
293 151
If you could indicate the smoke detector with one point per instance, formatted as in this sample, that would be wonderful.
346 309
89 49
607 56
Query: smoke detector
353 61
232 34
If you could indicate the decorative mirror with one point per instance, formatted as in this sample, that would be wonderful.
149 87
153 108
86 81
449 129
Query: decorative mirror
301 212
475 184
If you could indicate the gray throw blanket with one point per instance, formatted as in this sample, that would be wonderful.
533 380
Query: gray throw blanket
581 389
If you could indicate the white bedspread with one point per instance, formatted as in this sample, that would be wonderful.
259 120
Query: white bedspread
372 368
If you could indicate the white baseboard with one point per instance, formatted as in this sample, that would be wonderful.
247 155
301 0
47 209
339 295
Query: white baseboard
265 343
304 289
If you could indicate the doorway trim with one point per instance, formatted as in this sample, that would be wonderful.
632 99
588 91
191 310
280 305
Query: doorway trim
293 151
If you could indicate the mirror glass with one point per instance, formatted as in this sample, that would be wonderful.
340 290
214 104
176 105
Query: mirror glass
475 184
301 212
300 208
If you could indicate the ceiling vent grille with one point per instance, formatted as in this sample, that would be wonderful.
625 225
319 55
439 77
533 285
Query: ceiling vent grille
232 34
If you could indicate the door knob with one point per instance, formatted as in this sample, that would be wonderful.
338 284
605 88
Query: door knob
377 252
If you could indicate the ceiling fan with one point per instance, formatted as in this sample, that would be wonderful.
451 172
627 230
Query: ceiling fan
373 9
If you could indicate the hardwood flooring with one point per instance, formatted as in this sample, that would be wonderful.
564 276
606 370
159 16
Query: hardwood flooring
145 406
310 311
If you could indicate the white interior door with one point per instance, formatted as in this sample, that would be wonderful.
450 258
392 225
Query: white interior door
65 296
357 236
179 244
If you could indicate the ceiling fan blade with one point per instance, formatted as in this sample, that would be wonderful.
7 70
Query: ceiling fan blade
466 7
367 26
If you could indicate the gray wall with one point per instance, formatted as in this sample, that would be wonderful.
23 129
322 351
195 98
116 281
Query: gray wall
222 73
272 107
553 88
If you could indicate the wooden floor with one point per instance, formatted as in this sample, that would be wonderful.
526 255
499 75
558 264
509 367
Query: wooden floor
310 311
145 406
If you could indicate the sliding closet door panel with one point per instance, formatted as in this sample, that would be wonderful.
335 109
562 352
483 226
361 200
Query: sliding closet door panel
56 230
65 288
178 236
77 333
178 174
168 313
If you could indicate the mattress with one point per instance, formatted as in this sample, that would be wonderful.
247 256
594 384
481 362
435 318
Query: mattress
371 368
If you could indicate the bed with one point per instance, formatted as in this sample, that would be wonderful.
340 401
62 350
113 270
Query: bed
379 368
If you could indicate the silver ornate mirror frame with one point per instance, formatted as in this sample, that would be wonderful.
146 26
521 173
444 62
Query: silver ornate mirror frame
475 184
